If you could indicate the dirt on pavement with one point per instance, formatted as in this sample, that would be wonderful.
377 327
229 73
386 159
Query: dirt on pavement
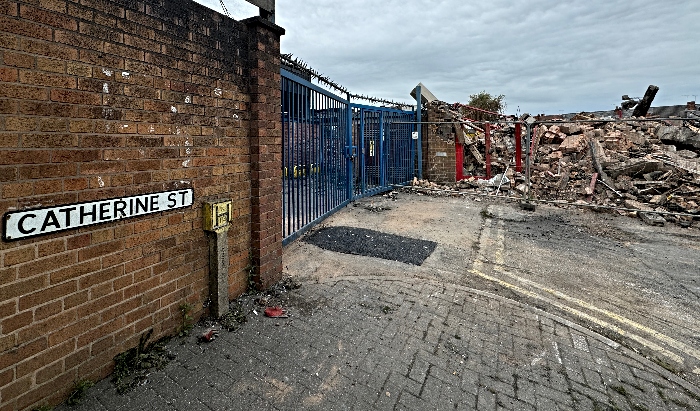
634 283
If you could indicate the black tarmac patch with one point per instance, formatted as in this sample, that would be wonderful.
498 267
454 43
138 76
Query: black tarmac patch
370 243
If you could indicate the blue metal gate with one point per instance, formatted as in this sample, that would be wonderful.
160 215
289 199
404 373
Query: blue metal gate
384 148
334 151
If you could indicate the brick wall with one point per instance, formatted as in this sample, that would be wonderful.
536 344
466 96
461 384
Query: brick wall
103 99
266 154
439 155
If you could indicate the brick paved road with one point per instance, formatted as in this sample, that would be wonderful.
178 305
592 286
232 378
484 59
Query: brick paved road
395 342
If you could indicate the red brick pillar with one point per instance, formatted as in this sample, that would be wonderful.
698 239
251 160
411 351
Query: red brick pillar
265 150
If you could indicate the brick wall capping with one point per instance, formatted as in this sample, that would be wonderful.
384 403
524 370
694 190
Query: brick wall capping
259 21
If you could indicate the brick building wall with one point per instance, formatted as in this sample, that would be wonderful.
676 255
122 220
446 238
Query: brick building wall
439 155
103 99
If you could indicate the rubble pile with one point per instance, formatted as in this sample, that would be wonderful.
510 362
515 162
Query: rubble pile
636 165
633 162
650 166
471 134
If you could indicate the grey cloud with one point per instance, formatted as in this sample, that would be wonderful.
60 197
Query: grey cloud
544 55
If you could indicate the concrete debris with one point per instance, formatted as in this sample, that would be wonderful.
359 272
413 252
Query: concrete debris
426 95
636 205
684 136
650 166
572 144
499 180
642 108
634 166
645 213
652 219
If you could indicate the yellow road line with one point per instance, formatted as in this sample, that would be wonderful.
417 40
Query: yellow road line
581 314
500 262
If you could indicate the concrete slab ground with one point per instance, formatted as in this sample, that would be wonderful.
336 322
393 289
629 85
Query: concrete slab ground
366 333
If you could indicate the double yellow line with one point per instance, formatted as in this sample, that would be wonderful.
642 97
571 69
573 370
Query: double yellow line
499 265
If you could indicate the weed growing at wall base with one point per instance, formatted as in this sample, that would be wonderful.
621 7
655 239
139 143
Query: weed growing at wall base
187 320
79 390
131 367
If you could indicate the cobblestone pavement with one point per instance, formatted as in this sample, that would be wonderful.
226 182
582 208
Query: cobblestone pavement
396 342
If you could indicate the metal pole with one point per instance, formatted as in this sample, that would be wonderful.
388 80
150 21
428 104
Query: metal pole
518 148
527 159
382 139
419 143
487 143
350 179
361 153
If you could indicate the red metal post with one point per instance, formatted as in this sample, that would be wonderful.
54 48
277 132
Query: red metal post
487 132
518 148
459 160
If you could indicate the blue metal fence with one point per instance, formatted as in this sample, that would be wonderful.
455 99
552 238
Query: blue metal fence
335 151
384 148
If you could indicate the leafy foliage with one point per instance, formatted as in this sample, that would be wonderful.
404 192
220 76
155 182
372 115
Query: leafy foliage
486 101
482 107
187 320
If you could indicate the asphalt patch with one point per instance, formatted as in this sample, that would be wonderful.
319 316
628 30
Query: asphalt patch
370 243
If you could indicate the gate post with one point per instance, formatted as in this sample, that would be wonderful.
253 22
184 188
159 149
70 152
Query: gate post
265 150
382 151
361 157
419 128
350 158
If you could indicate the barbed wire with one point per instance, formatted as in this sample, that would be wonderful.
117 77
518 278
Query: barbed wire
298 64
301 65
223 6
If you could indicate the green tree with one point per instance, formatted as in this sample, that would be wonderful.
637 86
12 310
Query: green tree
486 101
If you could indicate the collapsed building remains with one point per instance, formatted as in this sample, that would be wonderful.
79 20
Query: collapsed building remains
646 164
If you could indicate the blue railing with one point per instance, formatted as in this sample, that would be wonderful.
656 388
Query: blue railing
334 151
384 146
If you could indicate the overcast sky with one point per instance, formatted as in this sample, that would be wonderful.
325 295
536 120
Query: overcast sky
545 56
